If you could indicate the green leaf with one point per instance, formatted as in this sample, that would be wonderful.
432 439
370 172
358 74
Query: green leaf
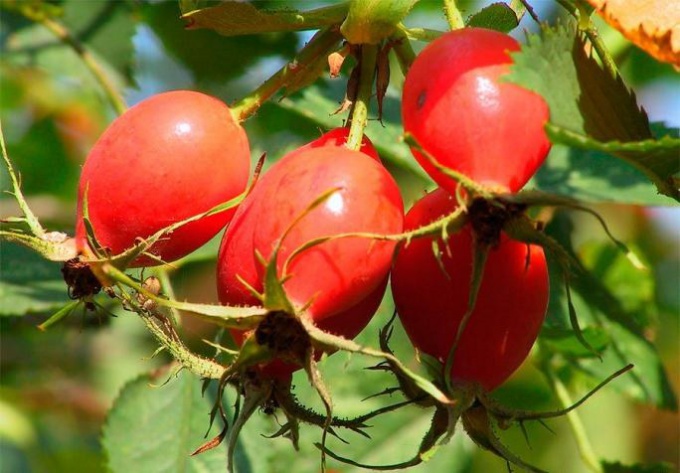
614 297
240 18
497 16
201 50
371 21
565 342
29 283
582 96
590 108
609 467
594 176
657 159
154 427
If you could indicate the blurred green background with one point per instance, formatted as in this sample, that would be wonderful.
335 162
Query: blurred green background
57 386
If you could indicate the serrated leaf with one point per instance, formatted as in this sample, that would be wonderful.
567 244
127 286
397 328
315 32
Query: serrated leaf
241 18
657 159
153 427
585 99
582 96
497 16
29 283
610 467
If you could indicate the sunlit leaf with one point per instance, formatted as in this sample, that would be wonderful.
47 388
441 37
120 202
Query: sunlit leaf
497 16
586 101
154 426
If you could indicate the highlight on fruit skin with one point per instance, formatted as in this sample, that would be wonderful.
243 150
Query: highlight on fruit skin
338 284
431 297
458 108
170 157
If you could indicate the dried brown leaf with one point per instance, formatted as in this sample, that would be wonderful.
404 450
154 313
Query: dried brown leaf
653 25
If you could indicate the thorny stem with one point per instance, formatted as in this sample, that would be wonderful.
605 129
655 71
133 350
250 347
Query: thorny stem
202 367
169 291
321 44
369 55
587 26
601 49
168 339
29 216
88 59
453 15
583 443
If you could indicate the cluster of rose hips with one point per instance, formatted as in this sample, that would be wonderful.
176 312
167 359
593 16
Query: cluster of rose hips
328 219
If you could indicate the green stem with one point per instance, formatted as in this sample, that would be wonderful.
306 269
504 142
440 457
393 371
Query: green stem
202 367
586 25
419 34
601 49
321 44
88 59
29 217
583 443
169 291
404 51
168 339
369 55
453 15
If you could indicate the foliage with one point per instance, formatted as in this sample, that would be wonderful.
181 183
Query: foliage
162 370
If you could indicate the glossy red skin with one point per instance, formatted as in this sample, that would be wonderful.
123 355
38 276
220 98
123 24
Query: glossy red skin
170 157
336 274
456 107
510 307
236 262
237 244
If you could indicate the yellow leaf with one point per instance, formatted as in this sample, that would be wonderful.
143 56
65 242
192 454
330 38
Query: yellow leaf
653 25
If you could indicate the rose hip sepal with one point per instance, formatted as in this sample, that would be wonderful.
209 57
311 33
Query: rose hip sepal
338 283
457 107
170 157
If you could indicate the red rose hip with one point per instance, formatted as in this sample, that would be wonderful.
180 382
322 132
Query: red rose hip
170 157
510 308
460 111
